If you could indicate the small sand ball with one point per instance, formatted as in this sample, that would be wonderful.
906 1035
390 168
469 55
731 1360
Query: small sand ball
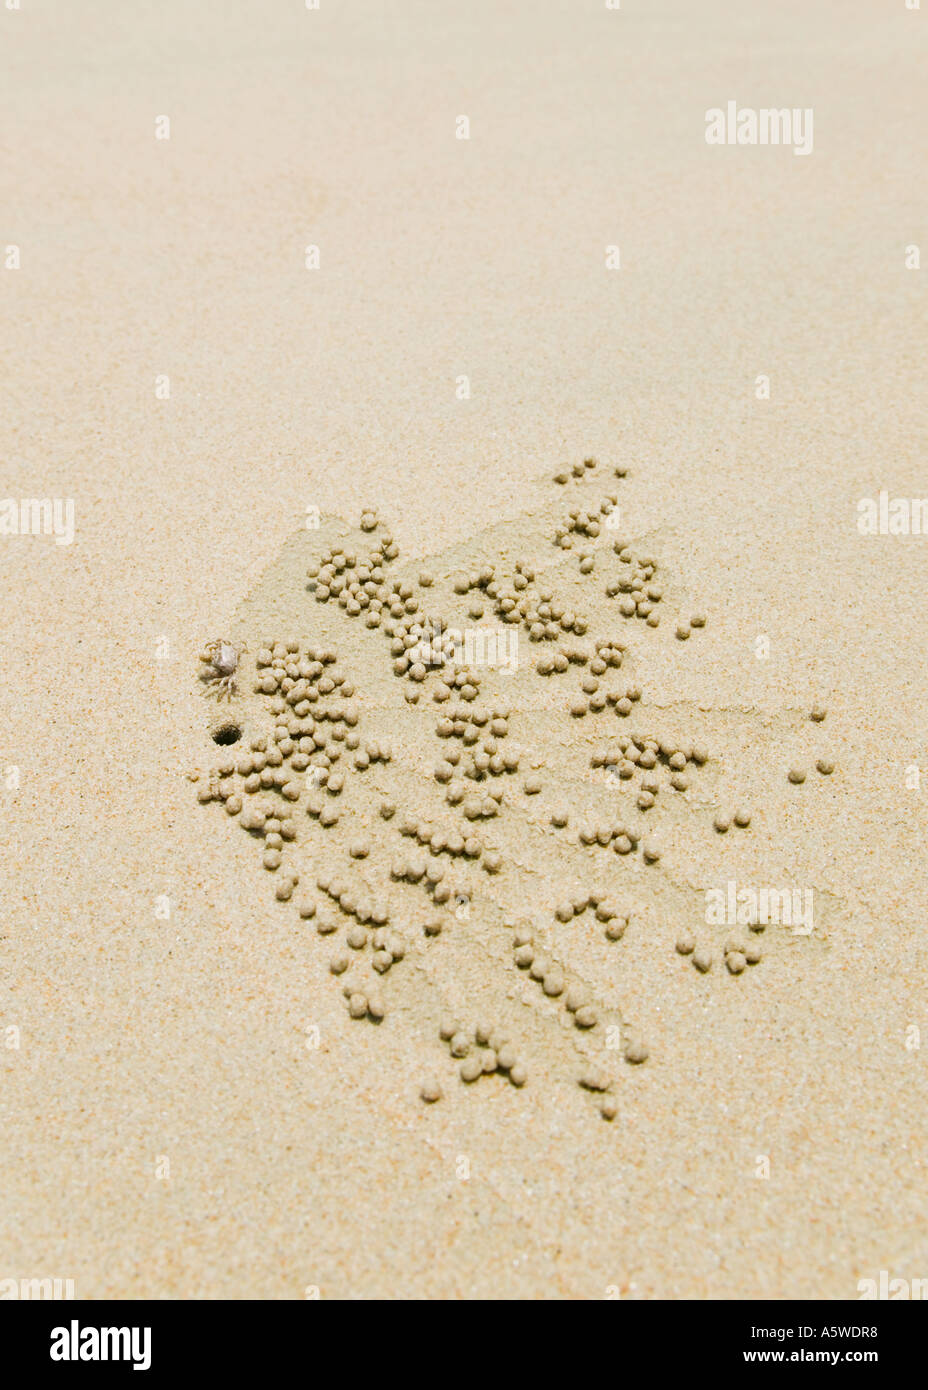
721 823
636 1052
338 964
698 620
426 579
430 1091
742 817
460 1045
360 848
685 944
683 631
308 908
506 1057
271 859
651 851
447 1028
357 937
702 959
518 1075
736 961
585 1016
576 998
471 1068
357 1005
489 1062
824 766
375 1008
559 817
608 1108
797 775
615 929
817 713
532 785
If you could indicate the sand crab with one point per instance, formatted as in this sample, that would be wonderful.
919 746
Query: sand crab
220 663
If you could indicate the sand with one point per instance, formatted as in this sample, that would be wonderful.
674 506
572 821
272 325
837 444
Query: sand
167 1130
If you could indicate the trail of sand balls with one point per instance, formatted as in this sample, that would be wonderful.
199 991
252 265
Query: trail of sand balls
315 748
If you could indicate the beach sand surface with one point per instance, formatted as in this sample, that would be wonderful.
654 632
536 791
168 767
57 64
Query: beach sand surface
168 1130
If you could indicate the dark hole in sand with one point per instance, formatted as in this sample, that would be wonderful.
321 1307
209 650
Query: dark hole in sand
229 733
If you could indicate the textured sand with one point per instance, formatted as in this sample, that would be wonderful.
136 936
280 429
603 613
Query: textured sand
142 1038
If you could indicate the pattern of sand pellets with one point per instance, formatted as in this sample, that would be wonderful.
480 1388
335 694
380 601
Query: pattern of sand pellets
470 753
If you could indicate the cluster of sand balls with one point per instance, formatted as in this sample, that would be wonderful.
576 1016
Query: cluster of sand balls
430 874
369 925
636 581
483 584
480 731
550 976
797 775
635 753
737 953
591 699
364 1003
573 995
722 823
684 629
594 1079
356 903
482 1052
825 766
605 910
315 722
359 583
580 522
576 470
438 841
606 655
622 838
543 616
411 640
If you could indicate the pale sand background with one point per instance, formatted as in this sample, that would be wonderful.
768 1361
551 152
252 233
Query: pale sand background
143 1038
